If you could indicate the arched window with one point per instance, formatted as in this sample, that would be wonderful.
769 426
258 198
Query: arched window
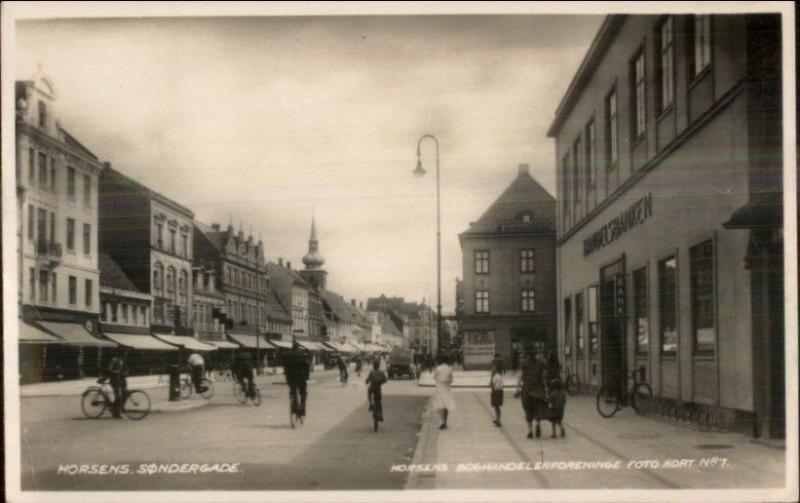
158 276
171 280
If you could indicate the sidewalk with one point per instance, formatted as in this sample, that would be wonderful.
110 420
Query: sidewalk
470 379
652 454
78 386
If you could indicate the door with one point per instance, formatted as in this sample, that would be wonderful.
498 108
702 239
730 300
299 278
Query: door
612 325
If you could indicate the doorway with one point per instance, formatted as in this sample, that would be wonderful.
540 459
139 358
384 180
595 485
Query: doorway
612 325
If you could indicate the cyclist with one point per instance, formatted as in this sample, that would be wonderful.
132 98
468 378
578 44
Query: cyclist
196 364
117 373
243 372
296 369
358 366
342 370
375 380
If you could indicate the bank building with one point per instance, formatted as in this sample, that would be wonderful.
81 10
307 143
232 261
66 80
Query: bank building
669 242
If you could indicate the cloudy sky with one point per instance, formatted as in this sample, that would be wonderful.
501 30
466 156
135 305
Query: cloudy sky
260 120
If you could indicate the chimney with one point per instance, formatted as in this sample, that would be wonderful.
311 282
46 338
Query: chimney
216 227
107 165
280 261
523 169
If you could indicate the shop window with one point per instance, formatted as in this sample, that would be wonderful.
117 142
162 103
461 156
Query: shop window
668 304
702 296
640 313
594 325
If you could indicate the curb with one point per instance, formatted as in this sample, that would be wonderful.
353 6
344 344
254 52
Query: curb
79 392
412 482
179 406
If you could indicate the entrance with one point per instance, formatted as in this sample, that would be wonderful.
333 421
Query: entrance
612 325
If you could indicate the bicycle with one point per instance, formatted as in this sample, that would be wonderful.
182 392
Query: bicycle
377 413
241 394
294 415
96 400
187 388
343 378
640 395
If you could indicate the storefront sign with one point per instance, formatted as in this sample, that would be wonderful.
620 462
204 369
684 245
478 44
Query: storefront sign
637 213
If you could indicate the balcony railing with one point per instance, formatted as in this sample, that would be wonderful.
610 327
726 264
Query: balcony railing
48 251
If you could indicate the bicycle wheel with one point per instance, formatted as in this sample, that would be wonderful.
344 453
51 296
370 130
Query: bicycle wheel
256 397
94 402
239 392
187 389
137 405
607 402
642 398
209 391
573 384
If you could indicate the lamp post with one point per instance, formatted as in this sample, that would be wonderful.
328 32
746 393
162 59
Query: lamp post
419 171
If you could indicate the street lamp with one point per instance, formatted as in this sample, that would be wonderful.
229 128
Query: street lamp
420 171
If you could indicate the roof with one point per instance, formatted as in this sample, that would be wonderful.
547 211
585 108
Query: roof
109 171
282 280
339 306
276 310
112 276
74 143
602 41
389 327
524 196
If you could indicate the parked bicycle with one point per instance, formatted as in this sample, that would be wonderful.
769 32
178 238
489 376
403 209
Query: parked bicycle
98 399
640 396
242 396
187 388
572 382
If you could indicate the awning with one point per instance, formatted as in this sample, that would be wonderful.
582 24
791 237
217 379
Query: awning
281 344
764 210
313 346
187 342
223 344
75 334
358 348
34 335
249 340
343 348
140 341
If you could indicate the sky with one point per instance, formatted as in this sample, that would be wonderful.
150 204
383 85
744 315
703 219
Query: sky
261 121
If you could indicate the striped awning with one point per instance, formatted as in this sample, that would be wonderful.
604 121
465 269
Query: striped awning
34 335
140 341
74 334
249 340
186 342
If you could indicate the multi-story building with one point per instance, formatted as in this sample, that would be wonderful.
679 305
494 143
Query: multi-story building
59 279
293 292
209 302
669 150
416 322
238 261
279 321
509 273
150 237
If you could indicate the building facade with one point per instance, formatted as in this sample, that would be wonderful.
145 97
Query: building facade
669 185
209 302
150 237
509 270
415 321
59 280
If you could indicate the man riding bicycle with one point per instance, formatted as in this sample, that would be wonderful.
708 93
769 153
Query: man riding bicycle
244 373
117 374
297 370
196 364
375 380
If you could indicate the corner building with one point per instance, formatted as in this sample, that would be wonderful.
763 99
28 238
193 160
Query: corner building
670 253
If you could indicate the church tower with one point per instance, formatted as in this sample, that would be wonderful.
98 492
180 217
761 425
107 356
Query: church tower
313 273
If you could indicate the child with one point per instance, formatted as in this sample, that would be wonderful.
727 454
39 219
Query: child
556 400
375 380
497 390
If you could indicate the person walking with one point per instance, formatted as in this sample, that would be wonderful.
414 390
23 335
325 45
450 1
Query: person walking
531 389
496 384
443 396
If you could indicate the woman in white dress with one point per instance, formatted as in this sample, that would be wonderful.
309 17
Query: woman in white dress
443 397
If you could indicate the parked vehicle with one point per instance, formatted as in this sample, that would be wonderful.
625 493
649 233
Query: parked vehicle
401 363
329 359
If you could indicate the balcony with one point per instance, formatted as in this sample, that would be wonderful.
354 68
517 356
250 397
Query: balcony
48 253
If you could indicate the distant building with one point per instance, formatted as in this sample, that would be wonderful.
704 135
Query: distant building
669 175
297 295
509 270
417 322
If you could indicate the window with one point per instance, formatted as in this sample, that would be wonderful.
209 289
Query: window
87 239
481 301
53 174
589 162
42 114
594 326
701 44
666 63
114 312
579 332
41 225
171 280
565 190
87 190
71 234
158 276
184 287
73 290
52 226
88 292
527 301
70 182
172 241
482 262
526 261
668 286
31 221
43 286
32 282
31 166
124 313
640 315
702 295
184 245
568 324
576 177
612 139
160 236
638 96
54 284
103 309
42 170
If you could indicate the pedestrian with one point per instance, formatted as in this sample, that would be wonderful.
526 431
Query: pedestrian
443 396
497 361
531 389
553 367
496 384
196 364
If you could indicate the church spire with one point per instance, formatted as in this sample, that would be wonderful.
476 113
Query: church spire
313 259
